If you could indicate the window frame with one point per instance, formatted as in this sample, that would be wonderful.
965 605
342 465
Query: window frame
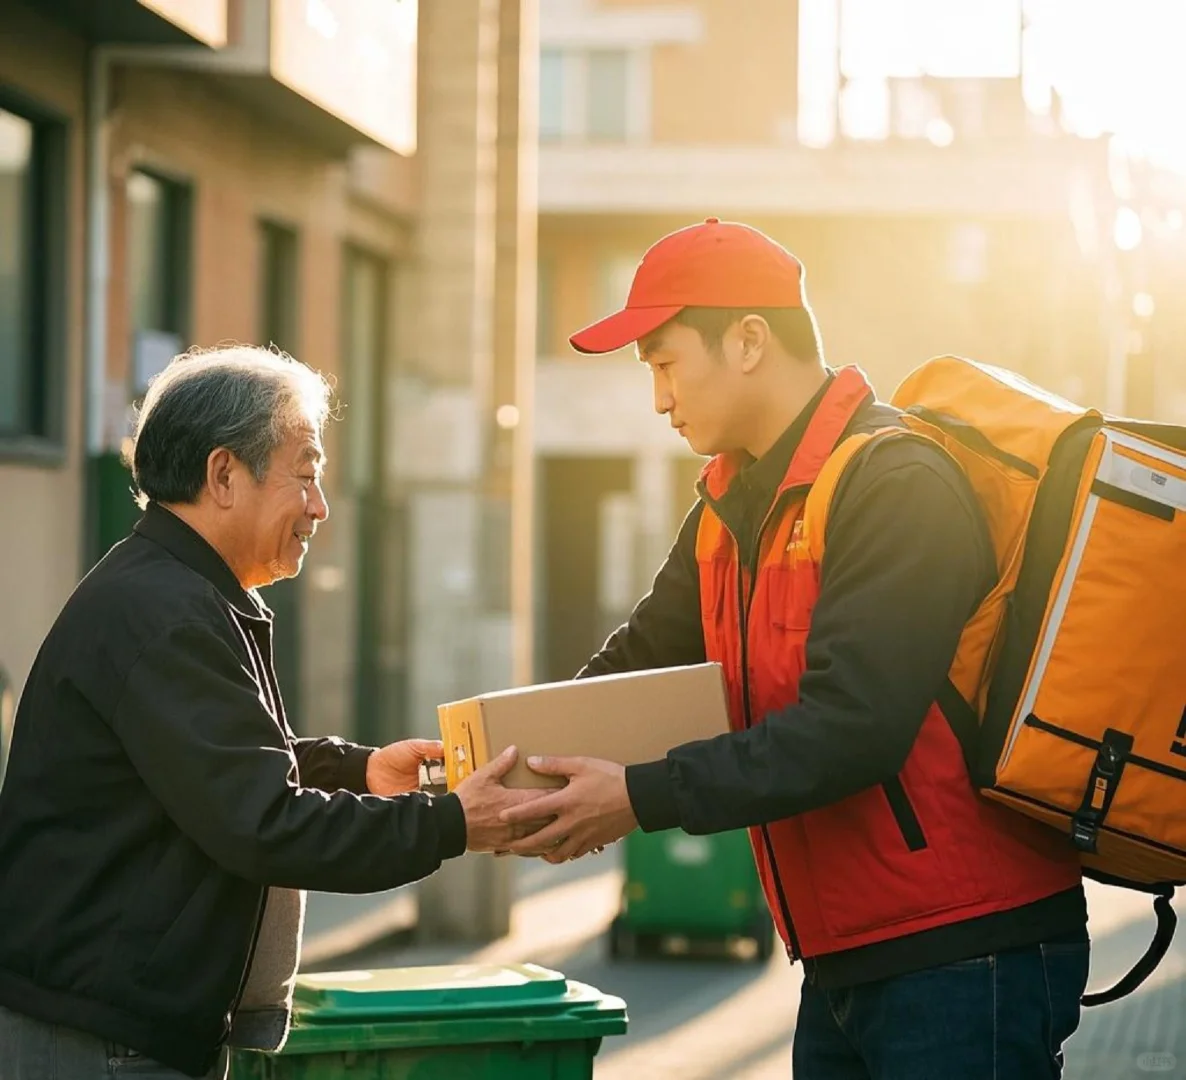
45 443
559 58
282 239
178 240
618 136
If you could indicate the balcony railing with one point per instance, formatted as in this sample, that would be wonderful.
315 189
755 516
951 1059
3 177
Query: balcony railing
1024 176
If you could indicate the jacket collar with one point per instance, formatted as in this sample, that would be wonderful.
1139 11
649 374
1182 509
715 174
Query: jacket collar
188 546
796 458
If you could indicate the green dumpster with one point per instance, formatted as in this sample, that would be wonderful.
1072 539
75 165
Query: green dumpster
116 509
696 887
460 1022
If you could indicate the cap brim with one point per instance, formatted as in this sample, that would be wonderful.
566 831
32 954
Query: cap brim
622 328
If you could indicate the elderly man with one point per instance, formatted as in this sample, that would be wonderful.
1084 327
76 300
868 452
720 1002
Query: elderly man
159 819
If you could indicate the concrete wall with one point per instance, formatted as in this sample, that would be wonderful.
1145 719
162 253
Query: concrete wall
40 544
737 85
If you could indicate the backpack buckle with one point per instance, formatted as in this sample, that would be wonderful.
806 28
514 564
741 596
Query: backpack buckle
1101 789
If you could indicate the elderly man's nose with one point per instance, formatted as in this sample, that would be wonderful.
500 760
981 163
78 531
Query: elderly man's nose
318 504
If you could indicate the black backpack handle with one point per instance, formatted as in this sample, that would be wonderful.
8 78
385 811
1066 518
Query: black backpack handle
1167 921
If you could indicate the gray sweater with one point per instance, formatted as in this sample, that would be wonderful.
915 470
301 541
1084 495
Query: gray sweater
265 1010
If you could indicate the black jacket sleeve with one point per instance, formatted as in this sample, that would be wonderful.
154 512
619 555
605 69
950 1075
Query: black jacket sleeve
330 763
908 559
664 629
192 723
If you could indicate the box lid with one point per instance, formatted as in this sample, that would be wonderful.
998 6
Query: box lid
396 993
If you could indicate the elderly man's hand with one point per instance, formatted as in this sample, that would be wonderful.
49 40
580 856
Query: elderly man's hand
484 800
395 769
591 811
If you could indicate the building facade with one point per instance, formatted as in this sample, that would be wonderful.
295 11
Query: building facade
935 210
339 178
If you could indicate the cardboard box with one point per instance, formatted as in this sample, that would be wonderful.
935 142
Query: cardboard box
629 718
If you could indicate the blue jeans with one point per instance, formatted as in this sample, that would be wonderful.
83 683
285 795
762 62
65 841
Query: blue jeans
993 1018
31 1050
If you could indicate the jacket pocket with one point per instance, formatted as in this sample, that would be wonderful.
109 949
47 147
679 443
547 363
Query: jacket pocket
903 811
863 874
786 596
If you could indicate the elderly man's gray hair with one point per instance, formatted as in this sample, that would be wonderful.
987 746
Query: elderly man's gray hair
242 397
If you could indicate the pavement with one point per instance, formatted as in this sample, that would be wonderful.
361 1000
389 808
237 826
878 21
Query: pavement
726 1017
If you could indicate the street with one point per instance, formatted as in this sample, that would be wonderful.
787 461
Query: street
727 1018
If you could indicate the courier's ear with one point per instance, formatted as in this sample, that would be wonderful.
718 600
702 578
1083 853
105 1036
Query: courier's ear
755 338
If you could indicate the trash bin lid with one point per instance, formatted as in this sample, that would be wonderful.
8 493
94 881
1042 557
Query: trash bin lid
394 993
583 1014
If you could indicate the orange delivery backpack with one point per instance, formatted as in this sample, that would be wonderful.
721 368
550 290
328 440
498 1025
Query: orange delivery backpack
1068 688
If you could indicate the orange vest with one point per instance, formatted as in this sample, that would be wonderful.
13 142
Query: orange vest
846 875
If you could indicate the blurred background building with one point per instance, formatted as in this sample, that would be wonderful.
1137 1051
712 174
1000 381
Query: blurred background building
926 161
340 178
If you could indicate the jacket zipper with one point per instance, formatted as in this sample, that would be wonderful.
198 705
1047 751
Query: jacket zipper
259 922
743 606
267 679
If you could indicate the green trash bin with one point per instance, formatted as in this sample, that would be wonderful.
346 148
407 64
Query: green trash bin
459 1022
697 887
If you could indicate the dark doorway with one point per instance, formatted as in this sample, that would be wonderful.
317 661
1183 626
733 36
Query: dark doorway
573 624
379 673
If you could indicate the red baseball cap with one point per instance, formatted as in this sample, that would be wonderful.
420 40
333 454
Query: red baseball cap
713 264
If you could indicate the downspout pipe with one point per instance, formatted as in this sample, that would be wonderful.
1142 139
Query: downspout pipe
98 246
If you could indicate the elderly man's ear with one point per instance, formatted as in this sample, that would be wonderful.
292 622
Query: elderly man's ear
220 477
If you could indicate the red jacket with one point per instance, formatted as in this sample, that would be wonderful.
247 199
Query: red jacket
891 860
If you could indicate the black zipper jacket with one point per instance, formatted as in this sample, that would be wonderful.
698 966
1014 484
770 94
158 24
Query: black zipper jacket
908 560
155 791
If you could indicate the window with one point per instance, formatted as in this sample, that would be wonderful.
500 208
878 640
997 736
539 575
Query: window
606 96
364 304
278 326
158 272
32 179
380 545
551 95
278 286
596 95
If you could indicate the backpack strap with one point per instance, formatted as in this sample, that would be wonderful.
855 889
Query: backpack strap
1163 937
954 700
818 505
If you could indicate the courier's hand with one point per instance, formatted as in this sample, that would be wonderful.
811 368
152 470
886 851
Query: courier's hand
484 800
591 811
395 768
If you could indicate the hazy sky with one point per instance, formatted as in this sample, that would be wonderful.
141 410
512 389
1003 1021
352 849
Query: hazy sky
1116 65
